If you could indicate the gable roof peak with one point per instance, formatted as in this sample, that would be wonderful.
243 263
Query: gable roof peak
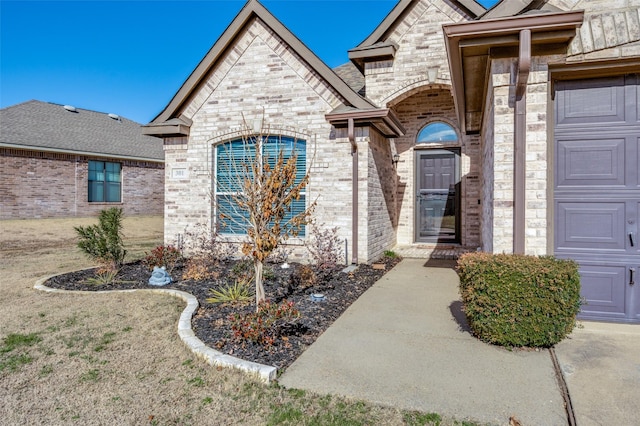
399 11
251 10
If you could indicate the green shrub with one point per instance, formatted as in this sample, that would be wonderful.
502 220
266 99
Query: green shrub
238 292
243 271
103 242
390 254
516 300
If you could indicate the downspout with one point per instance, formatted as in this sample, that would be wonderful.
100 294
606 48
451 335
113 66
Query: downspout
519 142
354 191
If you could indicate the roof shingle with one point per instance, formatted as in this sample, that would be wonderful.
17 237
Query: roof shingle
35 124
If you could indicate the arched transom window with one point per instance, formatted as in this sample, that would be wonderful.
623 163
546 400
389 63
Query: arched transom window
437 132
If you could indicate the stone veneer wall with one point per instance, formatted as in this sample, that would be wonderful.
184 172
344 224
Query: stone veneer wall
611 29
35 184
537 166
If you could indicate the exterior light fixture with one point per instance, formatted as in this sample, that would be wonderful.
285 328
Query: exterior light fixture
395 159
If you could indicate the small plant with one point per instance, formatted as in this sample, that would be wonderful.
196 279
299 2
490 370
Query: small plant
266 325
167 256
103 242
303 278
202 241
92 375
104 276
390 254
243 271
13 341
238 292
417 418
517 300
280 254
325 247
199 268
269 273
11 361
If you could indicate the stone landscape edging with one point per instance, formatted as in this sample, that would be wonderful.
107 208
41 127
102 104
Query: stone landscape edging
265 373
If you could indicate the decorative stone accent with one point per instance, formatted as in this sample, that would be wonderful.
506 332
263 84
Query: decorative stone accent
159 276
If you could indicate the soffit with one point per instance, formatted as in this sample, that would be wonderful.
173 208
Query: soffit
471 45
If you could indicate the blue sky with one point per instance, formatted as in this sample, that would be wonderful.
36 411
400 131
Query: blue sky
130 57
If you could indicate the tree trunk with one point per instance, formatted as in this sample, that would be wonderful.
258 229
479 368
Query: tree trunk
260 295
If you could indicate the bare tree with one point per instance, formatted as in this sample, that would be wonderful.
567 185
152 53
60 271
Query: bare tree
258 181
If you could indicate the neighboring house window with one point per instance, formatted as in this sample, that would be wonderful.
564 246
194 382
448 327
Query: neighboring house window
230 172
437 132
104 182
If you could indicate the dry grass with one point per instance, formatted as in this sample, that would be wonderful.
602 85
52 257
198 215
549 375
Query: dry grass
116 358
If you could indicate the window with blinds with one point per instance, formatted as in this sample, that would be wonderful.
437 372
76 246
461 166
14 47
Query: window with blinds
233 166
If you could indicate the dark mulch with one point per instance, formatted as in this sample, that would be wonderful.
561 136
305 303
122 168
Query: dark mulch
211 323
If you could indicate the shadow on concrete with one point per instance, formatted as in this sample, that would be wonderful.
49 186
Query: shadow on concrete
457 311
440 263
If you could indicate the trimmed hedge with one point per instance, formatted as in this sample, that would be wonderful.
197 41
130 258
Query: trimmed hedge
516 300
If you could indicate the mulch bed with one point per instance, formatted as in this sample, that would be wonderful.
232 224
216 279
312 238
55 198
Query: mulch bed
211 323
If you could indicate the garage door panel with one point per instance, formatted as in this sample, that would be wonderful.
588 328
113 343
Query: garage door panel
636 92
635 169
591 162
597 191
590 226
633 229
603 288
591 101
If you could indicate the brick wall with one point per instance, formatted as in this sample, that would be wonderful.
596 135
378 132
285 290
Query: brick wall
262 83
499 127
44 185
421 57
611 29
487 177
415 112
382 205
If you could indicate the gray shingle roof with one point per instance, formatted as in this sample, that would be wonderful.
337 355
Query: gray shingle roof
51 127
352 76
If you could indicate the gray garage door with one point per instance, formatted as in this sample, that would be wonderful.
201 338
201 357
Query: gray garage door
597 191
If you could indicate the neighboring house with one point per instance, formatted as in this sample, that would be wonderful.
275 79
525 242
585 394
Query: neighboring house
515 129
61 161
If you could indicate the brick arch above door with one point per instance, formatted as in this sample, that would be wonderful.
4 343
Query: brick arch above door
415 109
399 94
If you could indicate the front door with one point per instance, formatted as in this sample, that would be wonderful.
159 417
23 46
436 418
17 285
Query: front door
437 197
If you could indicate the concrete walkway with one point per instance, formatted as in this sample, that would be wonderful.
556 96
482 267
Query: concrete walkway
404 343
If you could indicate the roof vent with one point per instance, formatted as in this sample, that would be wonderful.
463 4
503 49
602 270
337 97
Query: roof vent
114 117
70 108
